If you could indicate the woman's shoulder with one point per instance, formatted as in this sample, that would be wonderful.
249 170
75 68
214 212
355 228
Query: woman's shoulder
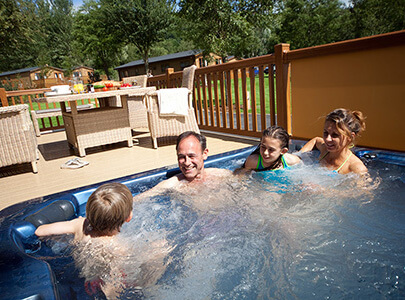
357 166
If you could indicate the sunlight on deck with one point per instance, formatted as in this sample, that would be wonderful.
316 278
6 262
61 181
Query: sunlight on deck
18 183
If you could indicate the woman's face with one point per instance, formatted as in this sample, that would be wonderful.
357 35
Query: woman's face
270 149
334 140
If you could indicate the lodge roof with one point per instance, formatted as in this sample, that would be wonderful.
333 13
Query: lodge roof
30 69
160 58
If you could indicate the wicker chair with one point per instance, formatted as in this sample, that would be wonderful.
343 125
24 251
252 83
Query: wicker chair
172 126
18 143
138 117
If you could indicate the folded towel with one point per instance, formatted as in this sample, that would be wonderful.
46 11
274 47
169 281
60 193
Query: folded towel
173 102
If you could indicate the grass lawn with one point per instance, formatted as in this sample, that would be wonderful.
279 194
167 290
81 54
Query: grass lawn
46 122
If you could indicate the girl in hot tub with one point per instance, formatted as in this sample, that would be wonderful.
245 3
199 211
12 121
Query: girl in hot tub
341 128
271 154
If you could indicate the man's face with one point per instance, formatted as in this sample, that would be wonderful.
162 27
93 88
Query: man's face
191 158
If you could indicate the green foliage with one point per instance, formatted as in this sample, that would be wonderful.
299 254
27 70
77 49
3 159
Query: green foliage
18 23
54 43
312 22
370 17
223 27
139 22
93 40
107 33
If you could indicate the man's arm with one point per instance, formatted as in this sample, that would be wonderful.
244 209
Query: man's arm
251 162
159 188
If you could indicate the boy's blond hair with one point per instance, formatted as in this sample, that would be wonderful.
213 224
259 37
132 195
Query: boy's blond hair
108 207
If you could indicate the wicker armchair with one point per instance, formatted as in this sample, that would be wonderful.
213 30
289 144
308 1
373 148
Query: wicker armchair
138 117
18 143
172 126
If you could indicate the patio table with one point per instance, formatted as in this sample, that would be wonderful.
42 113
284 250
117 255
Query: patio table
106 124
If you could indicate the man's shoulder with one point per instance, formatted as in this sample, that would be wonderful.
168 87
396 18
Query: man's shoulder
171 182
217 172
251 161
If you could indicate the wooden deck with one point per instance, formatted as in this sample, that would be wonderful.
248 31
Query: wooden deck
18 183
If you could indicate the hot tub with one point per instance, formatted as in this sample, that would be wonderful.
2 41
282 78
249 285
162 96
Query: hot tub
301 233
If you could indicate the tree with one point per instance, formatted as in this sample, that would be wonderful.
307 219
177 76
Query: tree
371 17
307 23
141 23
225 27
17 33
56 25
93 40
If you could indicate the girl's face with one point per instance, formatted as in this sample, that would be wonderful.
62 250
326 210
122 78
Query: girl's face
334 140
270 150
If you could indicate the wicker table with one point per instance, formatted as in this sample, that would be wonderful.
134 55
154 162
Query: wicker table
98 126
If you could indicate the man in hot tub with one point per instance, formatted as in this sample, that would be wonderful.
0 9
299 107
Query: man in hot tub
191 150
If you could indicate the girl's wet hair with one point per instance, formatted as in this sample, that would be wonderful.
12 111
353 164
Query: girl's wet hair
278 133
108 207
347 122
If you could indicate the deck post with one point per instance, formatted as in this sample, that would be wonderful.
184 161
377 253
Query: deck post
3 97
169 71
283 95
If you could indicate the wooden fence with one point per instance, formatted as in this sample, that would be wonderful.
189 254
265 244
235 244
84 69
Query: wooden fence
27 97
238 97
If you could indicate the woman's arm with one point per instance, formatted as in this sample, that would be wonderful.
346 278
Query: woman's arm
316 142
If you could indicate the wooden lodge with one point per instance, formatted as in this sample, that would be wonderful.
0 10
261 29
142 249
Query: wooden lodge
42 77
177 61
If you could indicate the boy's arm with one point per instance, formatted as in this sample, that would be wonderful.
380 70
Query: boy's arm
310 145
67 227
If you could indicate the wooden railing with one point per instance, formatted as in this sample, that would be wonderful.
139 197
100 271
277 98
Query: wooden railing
238 97
304 85
27 97
246 96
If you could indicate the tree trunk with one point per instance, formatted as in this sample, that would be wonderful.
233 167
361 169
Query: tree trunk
146 60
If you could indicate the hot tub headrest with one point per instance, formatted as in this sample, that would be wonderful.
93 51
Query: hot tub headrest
59 210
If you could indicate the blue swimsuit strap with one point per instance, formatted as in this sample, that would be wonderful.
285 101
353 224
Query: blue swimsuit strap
260 166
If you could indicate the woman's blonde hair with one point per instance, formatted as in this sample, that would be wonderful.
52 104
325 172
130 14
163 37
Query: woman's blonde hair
108 207
347 122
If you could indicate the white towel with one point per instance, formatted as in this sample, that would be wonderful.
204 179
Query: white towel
173 102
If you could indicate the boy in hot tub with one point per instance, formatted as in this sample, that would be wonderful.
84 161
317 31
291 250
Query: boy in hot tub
99 254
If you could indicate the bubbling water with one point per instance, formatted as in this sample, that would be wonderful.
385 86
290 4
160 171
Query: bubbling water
265 235
298 233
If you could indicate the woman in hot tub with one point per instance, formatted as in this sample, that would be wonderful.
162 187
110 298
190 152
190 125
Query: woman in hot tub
341 128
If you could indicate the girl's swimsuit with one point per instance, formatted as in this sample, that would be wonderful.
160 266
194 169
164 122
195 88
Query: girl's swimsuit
338 169
260 166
